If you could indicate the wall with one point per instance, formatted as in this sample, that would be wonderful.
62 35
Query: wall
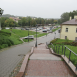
71 34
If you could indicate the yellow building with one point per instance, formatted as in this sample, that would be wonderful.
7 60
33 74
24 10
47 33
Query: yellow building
69 29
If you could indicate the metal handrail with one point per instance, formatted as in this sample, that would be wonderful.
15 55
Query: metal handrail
71 51
64 52
68 49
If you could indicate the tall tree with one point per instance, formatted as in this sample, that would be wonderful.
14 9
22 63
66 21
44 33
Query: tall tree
64 17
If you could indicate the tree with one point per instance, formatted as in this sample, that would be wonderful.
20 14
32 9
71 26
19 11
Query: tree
64 17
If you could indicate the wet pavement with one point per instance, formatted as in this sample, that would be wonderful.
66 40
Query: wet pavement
46 64
9 57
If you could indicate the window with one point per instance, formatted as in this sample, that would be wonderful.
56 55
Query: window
66 29
75 38
76 30
65 37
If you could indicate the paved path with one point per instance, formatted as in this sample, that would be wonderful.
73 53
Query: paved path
9 57
43 63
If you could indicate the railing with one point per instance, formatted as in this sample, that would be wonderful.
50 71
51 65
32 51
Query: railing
57 48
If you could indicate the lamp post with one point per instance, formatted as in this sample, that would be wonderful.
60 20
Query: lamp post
1 12
28 31
28 35
36 37
55 35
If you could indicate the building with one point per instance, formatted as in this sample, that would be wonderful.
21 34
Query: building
15 19
69 29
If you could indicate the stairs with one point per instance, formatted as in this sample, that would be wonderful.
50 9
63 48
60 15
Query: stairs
44 64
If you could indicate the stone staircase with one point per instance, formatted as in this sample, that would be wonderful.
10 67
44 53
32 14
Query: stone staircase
44 64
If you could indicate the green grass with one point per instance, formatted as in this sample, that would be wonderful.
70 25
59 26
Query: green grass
26 40
57 24
73 58
21 33
62 40
41 34
17 34
55 29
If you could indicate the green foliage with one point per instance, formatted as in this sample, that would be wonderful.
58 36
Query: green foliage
55 29
26 40
71 45
40 34
64 17
73 13
5 33
53 41
17 34
64 42
5 41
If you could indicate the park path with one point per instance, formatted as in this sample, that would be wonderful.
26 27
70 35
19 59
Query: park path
43 63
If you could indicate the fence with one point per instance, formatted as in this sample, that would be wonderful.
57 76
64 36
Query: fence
56 49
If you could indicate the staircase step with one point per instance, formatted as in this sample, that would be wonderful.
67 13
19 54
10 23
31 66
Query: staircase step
44 57
48 76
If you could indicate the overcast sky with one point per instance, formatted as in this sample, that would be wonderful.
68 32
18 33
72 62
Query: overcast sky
38 8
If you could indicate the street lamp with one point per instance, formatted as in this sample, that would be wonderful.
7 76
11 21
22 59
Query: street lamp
28 31
1 12
55 35
36 37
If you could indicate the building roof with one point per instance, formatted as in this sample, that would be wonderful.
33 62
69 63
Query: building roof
70 22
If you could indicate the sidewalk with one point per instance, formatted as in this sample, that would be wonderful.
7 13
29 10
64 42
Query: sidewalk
43 63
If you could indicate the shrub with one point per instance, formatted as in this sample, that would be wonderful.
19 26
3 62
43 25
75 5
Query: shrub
68 43
54 40
5 41
5 33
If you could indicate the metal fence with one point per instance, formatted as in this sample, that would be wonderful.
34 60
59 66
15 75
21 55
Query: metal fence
56 49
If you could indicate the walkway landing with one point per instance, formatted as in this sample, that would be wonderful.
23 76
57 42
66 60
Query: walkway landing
44 64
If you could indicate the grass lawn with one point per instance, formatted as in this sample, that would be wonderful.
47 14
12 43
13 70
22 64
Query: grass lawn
73 58
16 34
55 29
21 33
41 34
62 40
57 24
26 40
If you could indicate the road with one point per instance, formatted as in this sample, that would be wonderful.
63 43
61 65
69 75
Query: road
9 57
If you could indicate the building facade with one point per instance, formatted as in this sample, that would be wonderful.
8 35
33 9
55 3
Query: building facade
69 29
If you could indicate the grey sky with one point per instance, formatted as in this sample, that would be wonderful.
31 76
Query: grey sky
38 8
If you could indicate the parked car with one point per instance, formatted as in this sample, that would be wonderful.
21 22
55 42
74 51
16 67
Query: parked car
29 37
45 30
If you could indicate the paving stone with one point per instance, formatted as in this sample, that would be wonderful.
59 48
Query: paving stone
48 76
47 68
44 57
45 64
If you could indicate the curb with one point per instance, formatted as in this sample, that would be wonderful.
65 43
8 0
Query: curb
70 64
24 64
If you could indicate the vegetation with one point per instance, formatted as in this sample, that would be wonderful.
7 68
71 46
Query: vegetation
26 40
5 41
65 16
55 29
10 37
25 21
41 34
59 42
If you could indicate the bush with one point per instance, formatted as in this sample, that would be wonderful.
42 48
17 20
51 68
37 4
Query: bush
5 33
54 40
68 43
5 41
